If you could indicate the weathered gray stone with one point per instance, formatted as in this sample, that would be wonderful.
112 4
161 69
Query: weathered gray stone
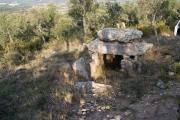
96 66
116 48
177 29
127 66
91 86
80 68
160 84
64 67
121 35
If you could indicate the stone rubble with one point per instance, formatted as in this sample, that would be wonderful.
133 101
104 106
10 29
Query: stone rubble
159 105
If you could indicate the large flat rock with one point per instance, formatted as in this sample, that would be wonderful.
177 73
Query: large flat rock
116 48
121 35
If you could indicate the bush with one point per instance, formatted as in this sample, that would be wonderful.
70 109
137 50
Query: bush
176 68
13 58
162 27
147 30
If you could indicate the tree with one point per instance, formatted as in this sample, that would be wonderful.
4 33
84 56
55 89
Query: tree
65 30
131 12
151 8
44 22
169 12
9 25
79 10
115 13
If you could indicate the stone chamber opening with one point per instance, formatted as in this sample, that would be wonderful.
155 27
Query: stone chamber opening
178 32
132 57
112 62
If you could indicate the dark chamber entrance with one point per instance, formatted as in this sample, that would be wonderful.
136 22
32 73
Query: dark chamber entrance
178 32
112 61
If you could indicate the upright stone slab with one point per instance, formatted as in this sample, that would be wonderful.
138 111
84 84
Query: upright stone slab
96 66
80 68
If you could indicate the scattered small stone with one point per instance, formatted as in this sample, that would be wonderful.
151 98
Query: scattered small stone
43 68
171 73
118 117
84 110
83 113
79 113
109 116
103 108
160 84
108 108
127 113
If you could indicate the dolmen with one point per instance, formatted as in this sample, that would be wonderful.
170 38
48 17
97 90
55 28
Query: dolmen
116 49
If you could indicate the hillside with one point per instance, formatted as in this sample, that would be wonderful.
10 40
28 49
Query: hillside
89 60
45 88
34 2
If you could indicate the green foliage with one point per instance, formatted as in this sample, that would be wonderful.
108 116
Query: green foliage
169 12
114 11
162 27
176 68
29 31
158 10
147 30
80 10
21 34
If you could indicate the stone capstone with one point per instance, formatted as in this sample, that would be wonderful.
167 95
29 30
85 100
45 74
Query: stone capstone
121 35
116 48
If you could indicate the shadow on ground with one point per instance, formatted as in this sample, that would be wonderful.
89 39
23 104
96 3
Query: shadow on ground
37 93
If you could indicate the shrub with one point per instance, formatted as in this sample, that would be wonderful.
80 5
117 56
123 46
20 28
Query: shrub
176 68
146 29
13 58
162 27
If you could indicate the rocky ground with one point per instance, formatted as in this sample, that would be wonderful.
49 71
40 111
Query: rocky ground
158 104
35 91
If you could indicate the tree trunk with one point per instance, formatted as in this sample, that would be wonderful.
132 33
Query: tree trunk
67 44
154 26
84 27
10 37
44 40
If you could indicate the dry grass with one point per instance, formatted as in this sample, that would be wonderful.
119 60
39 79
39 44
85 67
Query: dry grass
41 89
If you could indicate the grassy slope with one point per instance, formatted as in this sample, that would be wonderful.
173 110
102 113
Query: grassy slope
36 90
32 91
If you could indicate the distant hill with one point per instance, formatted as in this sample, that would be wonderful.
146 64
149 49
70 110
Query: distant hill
32 2
26 2
29 3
